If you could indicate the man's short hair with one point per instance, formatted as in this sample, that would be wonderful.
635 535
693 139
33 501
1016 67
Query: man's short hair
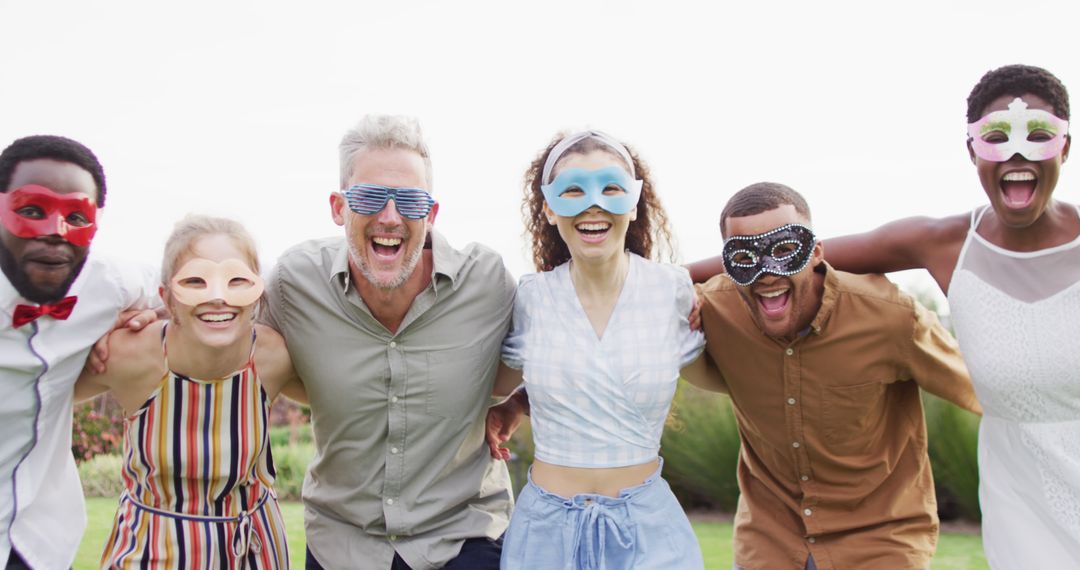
52 147
762 197
383 131
1017 80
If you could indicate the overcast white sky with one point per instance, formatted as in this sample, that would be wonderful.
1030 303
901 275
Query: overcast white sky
236 108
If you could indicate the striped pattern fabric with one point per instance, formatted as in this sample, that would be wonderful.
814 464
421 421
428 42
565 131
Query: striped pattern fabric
198 478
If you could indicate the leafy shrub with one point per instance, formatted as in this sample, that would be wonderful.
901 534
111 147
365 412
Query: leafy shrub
97 427
953 435
283 436
100 475
700 446
291 463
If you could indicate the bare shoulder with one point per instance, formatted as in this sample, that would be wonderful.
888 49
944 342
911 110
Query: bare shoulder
920 230
272 358
948 230
268 338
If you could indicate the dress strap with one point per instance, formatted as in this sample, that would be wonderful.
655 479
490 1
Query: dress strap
164 345
251 354
977 216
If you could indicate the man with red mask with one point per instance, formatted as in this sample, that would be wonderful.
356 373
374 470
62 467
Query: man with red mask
56 301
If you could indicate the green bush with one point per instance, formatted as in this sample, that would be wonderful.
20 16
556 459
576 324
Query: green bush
101 475
291 463
953 435
700 446
286 435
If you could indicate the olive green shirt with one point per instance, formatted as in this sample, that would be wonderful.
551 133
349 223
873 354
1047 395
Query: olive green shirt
400 462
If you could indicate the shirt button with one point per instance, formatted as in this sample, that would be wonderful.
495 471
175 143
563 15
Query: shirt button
805 478
811 540
394 537
391 501
393 344
791 401
789 352
393 399
394 450
807 512
795 444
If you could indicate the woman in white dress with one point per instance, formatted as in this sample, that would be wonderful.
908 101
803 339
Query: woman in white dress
1011 271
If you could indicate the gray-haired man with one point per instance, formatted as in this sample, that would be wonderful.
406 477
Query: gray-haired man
396 335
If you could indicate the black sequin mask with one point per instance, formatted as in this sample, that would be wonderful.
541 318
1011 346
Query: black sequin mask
782 251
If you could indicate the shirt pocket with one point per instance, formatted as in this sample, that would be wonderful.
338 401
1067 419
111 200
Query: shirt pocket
853 416
459 381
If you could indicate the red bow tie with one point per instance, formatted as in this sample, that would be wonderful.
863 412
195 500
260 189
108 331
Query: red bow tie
58 310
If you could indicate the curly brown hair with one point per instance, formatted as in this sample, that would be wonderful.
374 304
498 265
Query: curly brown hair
648 232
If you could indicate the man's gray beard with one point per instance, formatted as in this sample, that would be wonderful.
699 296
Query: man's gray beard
407 268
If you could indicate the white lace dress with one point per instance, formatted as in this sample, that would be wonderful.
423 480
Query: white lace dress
1017 317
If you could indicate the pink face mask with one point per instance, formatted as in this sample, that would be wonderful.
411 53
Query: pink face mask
202 281
33 211
1032 133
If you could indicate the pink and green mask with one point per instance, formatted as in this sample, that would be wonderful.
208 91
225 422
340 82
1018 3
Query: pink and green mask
1032 133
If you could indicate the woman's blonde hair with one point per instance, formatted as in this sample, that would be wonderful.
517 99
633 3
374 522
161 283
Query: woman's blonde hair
195 226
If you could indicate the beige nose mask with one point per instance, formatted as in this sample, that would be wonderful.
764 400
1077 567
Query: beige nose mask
202 281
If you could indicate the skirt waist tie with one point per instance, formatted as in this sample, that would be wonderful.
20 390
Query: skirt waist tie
590 537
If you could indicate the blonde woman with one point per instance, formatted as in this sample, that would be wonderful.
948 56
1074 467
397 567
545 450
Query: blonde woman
198 473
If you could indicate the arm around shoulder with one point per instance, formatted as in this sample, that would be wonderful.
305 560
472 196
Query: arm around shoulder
704 374
910 243
276 371
936 364
133 355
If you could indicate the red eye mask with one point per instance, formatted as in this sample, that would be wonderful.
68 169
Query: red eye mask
35 211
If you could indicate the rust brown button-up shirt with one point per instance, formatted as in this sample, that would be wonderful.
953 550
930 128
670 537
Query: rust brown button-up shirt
833 459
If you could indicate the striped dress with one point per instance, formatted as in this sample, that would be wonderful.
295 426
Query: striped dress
198 479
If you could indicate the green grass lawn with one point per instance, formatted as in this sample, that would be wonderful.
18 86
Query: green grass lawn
955 551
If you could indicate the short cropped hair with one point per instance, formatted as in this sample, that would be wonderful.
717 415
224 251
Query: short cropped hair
1017 80
56 148
762 197
383 131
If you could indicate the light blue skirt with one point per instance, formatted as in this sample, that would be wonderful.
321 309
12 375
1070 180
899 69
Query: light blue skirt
644 528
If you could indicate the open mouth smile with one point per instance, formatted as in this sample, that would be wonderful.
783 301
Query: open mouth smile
1018 188
386 248
593 232
773 303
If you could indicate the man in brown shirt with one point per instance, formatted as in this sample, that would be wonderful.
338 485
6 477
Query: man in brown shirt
823 369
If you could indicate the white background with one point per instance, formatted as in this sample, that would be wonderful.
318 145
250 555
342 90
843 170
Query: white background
236 108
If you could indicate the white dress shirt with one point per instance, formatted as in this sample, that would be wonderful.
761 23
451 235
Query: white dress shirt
42 512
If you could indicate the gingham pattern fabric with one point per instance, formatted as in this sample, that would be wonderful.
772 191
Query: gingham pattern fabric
602 402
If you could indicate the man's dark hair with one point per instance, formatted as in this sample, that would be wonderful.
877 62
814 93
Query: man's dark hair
1017 80
56 148
762 197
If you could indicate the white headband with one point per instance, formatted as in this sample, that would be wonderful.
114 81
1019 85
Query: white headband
557 152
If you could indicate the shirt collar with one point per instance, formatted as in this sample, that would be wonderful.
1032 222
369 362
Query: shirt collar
447 261
828 299
9 297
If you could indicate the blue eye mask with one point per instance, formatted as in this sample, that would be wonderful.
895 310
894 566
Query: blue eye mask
575 190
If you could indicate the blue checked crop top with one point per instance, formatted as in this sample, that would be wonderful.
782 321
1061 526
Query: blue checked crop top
602 402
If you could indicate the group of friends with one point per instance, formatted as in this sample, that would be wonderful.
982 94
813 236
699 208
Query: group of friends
419 360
